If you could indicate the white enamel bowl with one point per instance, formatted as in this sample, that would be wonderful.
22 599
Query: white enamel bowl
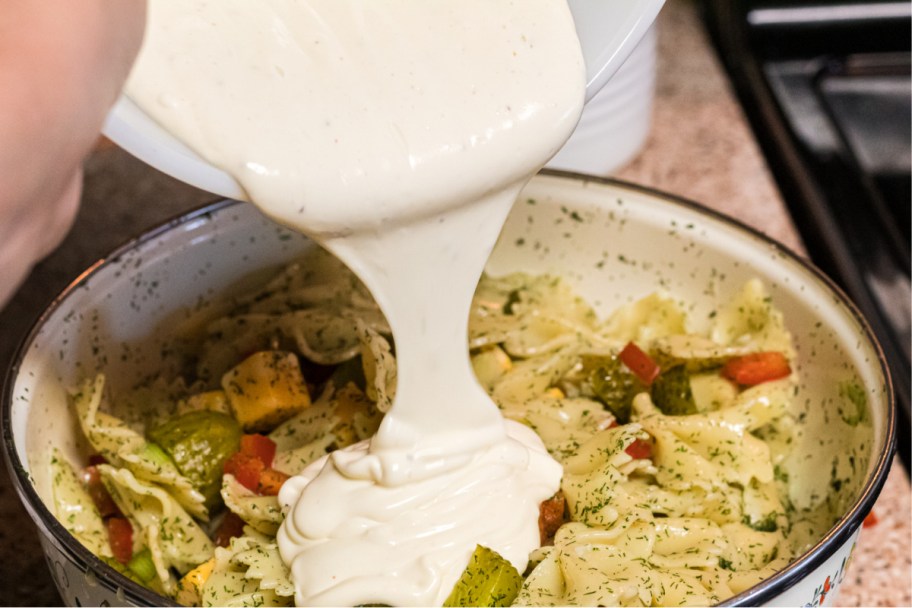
615 242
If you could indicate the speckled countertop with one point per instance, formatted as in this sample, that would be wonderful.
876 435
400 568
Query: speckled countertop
699 147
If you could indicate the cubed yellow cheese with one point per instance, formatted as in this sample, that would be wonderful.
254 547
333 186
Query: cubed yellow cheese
266 389
555 392
213 401
349 401
190 588
490 364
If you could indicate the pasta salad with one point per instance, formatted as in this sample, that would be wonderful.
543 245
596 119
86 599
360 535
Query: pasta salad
670 441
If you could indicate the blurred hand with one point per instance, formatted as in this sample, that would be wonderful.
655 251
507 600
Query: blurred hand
62 65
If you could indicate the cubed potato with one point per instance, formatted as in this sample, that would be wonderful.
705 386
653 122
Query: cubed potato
266 389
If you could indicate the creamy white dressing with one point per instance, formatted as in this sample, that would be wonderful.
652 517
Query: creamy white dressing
409 546
398 135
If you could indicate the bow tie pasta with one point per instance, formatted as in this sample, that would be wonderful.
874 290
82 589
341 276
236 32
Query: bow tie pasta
674 441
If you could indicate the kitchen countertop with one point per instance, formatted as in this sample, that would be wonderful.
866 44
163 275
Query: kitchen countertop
700 147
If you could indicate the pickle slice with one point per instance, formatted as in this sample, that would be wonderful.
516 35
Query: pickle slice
488 580
200 442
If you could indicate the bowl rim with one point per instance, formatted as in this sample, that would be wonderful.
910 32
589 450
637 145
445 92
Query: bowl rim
758 594
34 505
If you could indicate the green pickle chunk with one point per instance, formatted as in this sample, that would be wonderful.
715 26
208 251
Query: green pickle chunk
488 580
613 384
200 442
153 453
141 565
149 583
672 394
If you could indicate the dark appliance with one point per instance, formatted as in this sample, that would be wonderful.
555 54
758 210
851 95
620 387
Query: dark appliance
826 87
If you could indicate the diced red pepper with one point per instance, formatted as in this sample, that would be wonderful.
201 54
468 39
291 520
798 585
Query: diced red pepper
870 520
120 537
251 465
641 364
259 446
271 482
640 448
246 469
230 527
550 518
91 480
756 368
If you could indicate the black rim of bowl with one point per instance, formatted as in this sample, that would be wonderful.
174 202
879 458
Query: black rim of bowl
759 594
47 523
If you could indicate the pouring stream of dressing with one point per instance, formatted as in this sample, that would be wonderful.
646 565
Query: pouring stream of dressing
398 135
